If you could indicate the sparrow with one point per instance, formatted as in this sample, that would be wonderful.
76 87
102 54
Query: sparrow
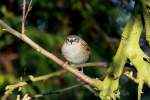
75 50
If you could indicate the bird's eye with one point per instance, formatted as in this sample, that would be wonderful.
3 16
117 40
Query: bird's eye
67 40
76 39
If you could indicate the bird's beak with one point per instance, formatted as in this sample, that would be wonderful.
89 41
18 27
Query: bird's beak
71 41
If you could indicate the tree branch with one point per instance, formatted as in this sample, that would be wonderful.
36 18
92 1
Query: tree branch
28 9
58 91
146 13
25 14
23 17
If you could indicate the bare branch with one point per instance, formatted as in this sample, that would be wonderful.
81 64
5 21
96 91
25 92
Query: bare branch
24 14
23 17
130 76
59 90
95 64
28 9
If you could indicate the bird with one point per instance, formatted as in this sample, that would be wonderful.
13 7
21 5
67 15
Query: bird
75 50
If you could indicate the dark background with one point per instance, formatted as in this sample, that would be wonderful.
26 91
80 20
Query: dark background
99 22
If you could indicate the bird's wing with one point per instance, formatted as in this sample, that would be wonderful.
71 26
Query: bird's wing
85 45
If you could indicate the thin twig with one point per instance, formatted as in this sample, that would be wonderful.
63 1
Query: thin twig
25 14
18 97
28 9
26 97
130 76
23 17
140 87
58 91
96 64
91 90
66 89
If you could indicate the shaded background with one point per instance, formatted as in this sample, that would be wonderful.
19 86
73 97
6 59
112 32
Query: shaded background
99 22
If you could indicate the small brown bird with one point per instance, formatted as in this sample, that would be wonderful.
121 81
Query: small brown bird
75 50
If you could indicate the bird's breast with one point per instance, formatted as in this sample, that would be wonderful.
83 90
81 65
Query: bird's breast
72 50
74 54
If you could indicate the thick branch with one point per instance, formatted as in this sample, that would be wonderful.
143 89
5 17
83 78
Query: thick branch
111 82
137 56
146 13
